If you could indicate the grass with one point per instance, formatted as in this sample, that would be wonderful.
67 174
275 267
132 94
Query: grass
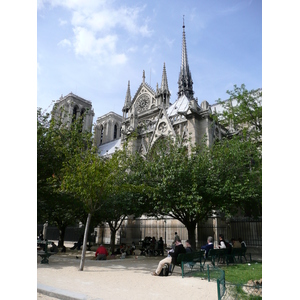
242 273
238 273
236 278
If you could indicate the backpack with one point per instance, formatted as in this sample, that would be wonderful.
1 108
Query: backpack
164 271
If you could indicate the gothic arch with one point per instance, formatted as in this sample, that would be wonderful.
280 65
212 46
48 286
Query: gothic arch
75 112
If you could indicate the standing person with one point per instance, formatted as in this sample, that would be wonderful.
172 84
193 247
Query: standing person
45 230
101 253
160 246
208 246
176 237
171 258
188 247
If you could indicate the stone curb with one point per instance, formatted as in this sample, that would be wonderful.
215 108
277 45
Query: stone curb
61 294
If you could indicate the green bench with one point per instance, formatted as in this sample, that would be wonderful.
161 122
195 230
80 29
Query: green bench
214 255
237 255
191 259
233 255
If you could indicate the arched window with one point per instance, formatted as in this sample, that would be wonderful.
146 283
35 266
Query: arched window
75 110
115 131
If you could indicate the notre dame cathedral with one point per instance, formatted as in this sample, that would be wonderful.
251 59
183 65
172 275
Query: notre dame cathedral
150 114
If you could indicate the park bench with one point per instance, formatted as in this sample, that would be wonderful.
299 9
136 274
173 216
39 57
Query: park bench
214 255
237 255
191 259
44 254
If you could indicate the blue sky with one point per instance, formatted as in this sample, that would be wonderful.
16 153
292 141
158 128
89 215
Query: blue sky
92 48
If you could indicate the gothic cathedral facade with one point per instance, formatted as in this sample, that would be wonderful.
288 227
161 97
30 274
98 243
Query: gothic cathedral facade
150 114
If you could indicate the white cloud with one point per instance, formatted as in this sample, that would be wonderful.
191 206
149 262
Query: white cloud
98 27
86 44
132 49
62 22
64 43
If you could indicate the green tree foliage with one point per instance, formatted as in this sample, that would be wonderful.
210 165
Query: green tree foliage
126 192
241 153
106 187
242 112
176 182
238 176
54 145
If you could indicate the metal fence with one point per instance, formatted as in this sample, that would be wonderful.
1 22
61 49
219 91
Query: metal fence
72 233
231 291
249 230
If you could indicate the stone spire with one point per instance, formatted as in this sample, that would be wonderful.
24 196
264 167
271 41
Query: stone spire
164 81
127 98
163 94
185 82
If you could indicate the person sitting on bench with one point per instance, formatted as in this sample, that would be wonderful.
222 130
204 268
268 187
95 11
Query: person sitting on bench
53 248
208 246
171 258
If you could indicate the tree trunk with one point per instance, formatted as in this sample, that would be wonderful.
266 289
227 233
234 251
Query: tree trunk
191 227
112 240
87 225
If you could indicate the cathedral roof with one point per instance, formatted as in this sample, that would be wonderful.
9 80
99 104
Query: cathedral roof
109 148
179 106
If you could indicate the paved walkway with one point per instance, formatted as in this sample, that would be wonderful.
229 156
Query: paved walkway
128 278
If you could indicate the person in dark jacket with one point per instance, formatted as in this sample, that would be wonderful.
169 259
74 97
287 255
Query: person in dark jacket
208 246
188 247
171 258
160 246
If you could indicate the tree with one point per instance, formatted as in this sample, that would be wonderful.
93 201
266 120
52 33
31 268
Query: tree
181 183
242 113
87 176
127 193
238 178
55 142
192 187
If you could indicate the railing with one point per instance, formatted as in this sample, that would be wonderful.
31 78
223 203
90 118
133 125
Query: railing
248 229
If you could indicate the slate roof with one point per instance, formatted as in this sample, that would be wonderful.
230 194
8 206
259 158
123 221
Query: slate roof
179 106
109 148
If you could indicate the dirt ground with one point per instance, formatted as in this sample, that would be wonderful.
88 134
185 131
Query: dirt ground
128 278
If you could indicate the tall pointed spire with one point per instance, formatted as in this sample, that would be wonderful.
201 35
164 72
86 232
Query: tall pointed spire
185 82
164 81
163 94
127 98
